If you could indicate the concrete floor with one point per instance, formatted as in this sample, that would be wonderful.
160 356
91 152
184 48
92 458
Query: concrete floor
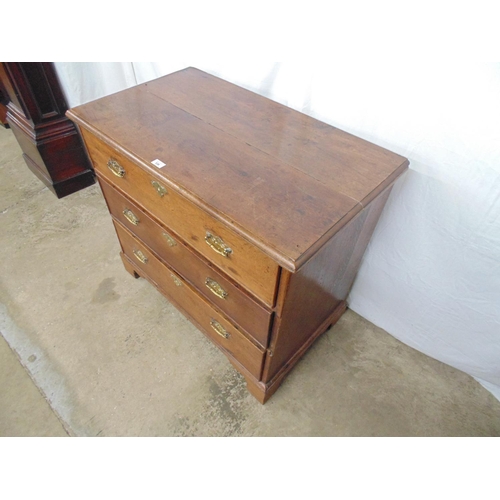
98 353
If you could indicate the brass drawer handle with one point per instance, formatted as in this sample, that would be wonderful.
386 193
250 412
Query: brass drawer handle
217 244
176 280
215 288
162 191
219 329
116 168
131 217
171 242
140 256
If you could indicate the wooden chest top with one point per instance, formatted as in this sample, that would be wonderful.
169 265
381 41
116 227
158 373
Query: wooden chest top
284 181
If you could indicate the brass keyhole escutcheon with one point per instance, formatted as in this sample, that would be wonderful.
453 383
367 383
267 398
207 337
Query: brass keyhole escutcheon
161 190
171 242
176 280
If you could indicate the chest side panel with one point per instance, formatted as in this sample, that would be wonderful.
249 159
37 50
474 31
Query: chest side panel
319 288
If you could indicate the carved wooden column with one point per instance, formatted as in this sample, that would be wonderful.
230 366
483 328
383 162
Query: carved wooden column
51 144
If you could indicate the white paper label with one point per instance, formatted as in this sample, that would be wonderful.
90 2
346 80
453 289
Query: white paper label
158 163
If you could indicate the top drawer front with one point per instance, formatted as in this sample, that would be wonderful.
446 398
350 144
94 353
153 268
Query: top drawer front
250 267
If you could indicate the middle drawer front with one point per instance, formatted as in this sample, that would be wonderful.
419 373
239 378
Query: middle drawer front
218 289
217 327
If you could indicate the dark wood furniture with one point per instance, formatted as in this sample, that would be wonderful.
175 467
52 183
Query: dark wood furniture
51 144
257 222
4 99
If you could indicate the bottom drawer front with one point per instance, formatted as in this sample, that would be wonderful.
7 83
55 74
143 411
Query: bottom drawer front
217 328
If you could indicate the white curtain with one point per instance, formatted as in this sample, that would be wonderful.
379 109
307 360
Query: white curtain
431 274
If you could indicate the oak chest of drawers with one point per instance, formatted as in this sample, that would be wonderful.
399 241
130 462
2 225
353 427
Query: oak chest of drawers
250 217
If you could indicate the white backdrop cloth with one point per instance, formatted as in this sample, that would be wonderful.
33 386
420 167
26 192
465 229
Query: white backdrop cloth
431 274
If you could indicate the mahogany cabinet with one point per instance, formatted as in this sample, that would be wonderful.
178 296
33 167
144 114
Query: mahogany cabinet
4 99
250 217
51 144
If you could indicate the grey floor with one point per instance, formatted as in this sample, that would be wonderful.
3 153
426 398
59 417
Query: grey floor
86 350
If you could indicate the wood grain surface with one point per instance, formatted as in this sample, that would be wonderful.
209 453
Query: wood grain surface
248 265
248 314
284 181
51 145
297 201
190 302
319 287
345 163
